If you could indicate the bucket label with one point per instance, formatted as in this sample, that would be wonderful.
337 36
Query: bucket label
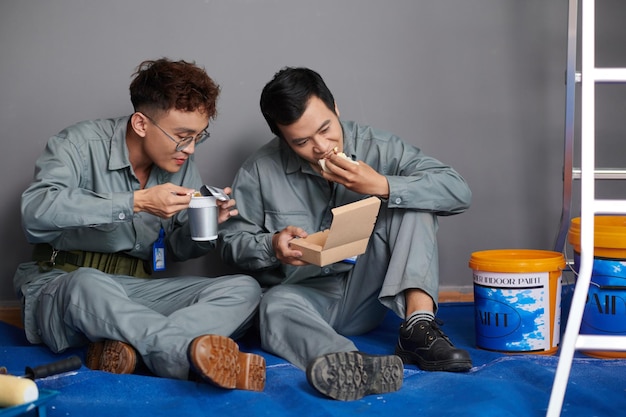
605 309
513 312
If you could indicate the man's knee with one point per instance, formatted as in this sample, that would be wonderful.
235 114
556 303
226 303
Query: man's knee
83 281
247 285
282 303
274 299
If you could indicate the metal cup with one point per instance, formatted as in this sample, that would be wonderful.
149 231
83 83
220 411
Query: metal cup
202 213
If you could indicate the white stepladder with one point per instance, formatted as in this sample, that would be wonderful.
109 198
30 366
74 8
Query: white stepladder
589 205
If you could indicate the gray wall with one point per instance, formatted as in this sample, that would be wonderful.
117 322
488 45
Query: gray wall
478 84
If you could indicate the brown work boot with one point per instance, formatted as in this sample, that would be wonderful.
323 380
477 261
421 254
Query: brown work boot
217 360
111 356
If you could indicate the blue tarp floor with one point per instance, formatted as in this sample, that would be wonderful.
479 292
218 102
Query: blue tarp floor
498 385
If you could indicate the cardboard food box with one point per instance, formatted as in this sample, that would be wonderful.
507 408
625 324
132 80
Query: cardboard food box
348 235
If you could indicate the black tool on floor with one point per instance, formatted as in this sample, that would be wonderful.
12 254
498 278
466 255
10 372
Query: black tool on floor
64 365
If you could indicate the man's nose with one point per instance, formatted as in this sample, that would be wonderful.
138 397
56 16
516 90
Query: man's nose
321 145
191 148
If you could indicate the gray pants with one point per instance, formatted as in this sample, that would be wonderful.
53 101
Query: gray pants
302 321
158 317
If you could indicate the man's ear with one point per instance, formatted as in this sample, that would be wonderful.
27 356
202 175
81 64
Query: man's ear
138 123
336 109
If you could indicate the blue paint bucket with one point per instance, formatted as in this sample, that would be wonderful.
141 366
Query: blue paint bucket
517 300
605 308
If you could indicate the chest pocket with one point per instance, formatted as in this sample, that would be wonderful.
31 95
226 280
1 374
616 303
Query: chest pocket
277 221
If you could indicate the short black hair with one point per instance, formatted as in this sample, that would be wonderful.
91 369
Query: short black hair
284 99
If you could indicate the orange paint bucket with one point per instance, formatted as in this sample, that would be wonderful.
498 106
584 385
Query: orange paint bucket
517 300
605 308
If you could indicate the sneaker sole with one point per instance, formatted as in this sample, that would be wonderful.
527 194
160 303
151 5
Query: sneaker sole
217 360
111 356
445 366
348 376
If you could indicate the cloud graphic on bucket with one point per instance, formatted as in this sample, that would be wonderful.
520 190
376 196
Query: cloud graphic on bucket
511 320
521 288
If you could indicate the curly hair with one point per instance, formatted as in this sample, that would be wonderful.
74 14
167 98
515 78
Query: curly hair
161 85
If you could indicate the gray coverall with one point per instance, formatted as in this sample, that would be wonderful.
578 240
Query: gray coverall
307 311
82 199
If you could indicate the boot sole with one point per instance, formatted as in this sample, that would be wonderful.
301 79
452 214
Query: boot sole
217 360
348 376
111 356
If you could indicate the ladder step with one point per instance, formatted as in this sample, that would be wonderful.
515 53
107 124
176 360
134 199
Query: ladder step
603 173
610 75
609 206
608 343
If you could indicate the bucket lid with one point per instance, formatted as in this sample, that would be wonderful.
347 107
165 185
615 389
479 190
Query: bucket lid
609 232
517 260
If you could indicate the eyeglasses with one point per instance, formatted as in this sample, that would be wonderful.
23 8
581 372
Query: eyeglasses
186 141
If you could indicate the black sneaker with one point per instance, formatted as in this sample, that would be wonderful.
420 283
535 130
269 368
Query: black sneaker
349 376
426 346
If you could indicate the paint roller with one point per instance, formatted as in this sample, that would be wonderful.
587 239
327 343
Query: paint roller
17 390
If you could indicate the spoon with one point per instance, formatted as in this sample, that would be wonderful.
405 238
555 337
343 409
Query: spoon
216 192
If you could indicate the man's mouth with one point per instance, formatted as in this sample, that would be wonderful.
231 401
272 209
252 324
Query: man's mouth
330 152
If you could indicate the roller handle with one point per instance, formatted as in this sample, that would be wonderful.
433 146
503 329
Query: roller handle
64 365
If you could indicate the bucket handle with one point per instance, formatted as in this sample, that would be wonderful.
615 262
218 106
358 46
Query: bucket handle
608 287
569 266
595 284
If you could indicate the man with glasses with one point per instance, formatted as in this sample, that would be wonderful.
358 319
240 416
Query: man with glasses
107 197
184 142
